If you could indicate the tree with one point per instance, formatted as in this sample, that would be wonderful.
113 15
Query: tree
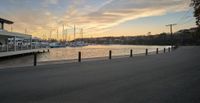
196 5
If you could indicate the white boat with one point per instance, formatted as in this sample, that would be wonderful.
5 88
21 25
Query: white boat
78 44
56 45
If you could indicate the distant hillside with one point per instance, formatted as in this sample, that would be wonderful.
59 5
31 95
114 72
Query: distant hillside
182 37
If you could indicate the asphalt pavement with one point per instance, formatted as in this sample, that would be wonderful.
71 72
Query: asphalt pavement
165 78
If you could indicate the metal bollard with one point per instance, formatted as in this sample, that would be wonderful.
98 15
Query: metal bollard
157 51
164 50
169 50
48 50
35 59
110 54
146 51
131 53
79 56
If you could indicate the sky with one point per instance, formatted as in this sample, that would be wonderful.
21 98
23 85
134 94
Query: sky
97 18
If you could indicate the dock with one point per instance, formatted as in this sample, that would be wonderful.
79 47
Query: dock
22 52
14 43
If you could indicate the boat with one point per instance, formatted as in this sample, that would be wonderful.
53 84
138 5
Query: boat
78 44
56 45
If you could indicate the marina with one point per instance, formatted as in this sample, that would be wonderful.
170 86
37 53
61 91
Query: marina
19 45
99 51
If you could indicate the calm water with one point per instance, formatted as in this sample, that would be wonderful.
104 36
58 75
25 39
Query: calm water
94 51
91 51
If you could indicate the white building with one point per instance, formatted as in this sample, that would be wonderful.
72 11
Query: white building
9 41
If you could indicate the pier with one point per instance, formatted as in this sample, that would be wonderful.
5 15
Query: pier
22 52
13 43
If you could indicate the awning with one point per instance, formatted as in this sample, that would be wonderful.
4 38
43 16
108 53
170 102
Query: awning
6 21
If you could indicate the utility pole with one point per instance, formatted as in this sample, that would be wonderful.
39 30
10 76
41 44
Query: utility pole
171 31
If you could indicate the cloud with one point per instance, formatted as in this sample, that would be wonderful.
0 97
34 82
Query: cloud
114 12
50 2
100 17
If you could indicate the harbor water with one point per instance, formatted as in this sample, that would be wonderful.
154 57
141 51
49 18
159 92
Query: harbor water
71 53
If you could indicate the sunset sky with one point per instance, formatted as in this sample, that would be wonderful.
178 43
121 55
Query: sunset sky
96 17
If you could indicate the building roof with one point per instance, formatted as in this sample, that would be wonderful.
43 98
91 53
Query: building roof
13 34
6 21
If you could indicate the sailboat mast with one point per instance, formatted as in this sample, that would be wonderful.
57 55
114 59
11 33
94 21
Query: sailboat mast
66 35
57 33
74 32
82 34
63 31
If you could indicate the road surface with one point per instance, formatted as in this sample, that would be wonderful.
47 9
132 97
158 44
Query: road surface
165 78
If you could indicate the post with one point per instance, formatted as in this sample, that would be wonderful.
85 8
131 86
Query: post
146 51
35 59
21 47
14 42
48 50
1 26
169 50
31 42
6 42
79 56
164 50
110 54
131 53
157 51
2 48
26 47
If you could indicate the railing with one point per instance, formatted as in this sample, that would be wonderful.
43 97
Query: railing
8 48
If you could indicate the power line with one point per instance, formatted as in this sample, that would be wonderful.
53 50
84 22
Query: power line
187 21
184 16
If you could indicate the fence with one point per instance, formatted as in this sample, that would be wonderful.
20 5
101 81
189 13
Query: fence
7 48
